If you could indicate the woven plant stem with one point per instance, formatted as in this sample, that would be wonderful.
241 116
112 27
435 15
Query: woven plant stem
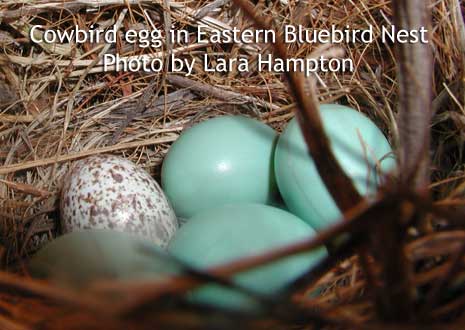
394 297
338 183
414 74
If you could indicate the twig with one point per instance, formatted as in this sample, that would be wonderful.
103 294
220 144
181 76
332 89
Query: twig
150 92
64 158
394 298
415 67
205 10
442 284
36 288
10 324
26 188
339 185
460 26
216 92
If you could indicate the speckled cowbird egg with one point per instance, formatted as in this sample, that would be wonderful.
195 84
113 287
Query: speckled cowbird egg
110 192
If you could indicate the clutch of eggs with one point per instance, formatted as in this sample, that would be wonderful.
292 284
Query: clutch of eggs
223 160
110 192
358 145
219 175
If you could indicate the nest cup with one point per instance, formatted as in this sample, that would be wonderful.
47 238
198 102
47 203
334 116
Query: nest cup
57 105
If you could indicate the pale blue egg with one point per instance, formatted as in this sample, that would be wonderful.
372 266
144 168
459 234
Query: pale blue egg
223 160
358 144
229 233
80 258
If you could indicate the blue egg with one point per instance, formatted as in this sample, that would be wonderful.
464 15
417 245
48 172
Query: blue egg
229 233
78 259
360 148
220 161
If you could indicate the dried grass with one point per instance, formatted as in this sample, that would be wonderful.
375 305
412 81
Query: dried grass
56 106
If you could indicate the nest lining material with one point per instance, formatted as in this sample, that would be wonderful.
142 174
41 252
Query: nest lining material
57 105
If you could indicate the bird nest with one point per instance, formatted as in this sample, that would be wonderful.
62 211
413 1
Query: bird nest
403 264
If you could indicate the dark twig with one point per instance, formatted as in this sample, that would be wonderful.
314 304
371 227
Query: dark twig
414 72
394 297
336 180
442 284
219 93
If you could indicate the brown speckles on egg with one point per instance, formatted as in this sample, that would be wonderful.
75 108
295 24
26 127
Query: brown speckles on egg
106 191
134 202
116 176
149 202
88 199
